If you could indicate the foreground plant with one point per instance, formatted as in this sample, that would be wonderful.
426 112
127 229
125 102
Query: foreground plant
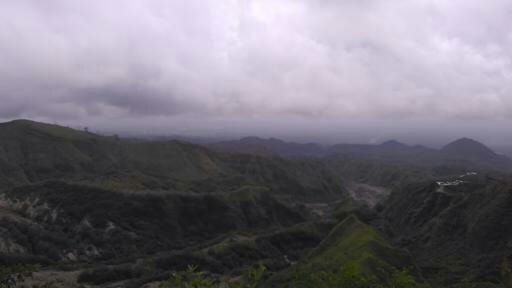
191 278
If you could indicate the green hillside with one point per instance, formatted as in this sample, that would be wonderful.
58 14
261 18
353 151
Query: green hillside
111 212
353 252
459 234
31 152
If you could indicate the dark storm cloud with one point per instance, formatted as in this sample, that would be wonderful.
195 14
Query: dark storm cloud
319 60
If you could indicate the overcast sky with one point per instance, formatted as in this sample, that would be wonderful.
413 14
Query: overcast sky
354 70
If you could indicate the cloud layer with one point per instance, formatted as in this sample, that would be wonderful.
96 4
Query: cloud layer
351 59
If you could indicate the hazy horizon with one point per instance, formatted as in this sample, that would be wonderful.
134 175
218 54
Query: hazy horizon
423 72
350 137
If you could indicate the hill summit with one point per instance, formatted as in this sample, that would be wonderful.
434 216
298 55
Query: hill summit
469 148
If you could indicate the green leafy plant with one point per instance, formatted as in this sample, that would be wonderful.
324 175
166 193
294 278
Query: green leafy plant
352 276
349 276
403 279
251 278
191 278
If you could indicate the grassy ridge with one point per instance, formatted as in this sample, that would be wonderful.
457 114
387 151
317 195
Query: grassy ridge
351 244
32 152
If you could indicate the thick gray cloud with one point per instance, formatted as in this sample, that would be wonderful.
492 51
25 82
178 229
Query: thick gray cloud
187 61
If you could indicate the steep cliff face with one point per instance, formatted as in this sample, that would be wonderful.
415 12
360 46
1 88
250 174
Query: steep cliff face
67 222
458 233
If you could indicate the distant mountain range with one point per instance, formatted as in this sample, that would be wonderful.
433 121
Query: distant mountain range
462 151
269 146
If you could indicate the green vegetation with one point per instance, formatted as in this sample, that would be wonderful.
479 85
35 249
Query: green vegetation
349 276
190 278
365 255
32 152
104 224
175 204
458 235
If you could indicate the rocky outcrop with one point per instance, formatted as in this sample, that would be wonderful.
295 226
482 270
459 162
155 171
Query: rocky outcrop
66 222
